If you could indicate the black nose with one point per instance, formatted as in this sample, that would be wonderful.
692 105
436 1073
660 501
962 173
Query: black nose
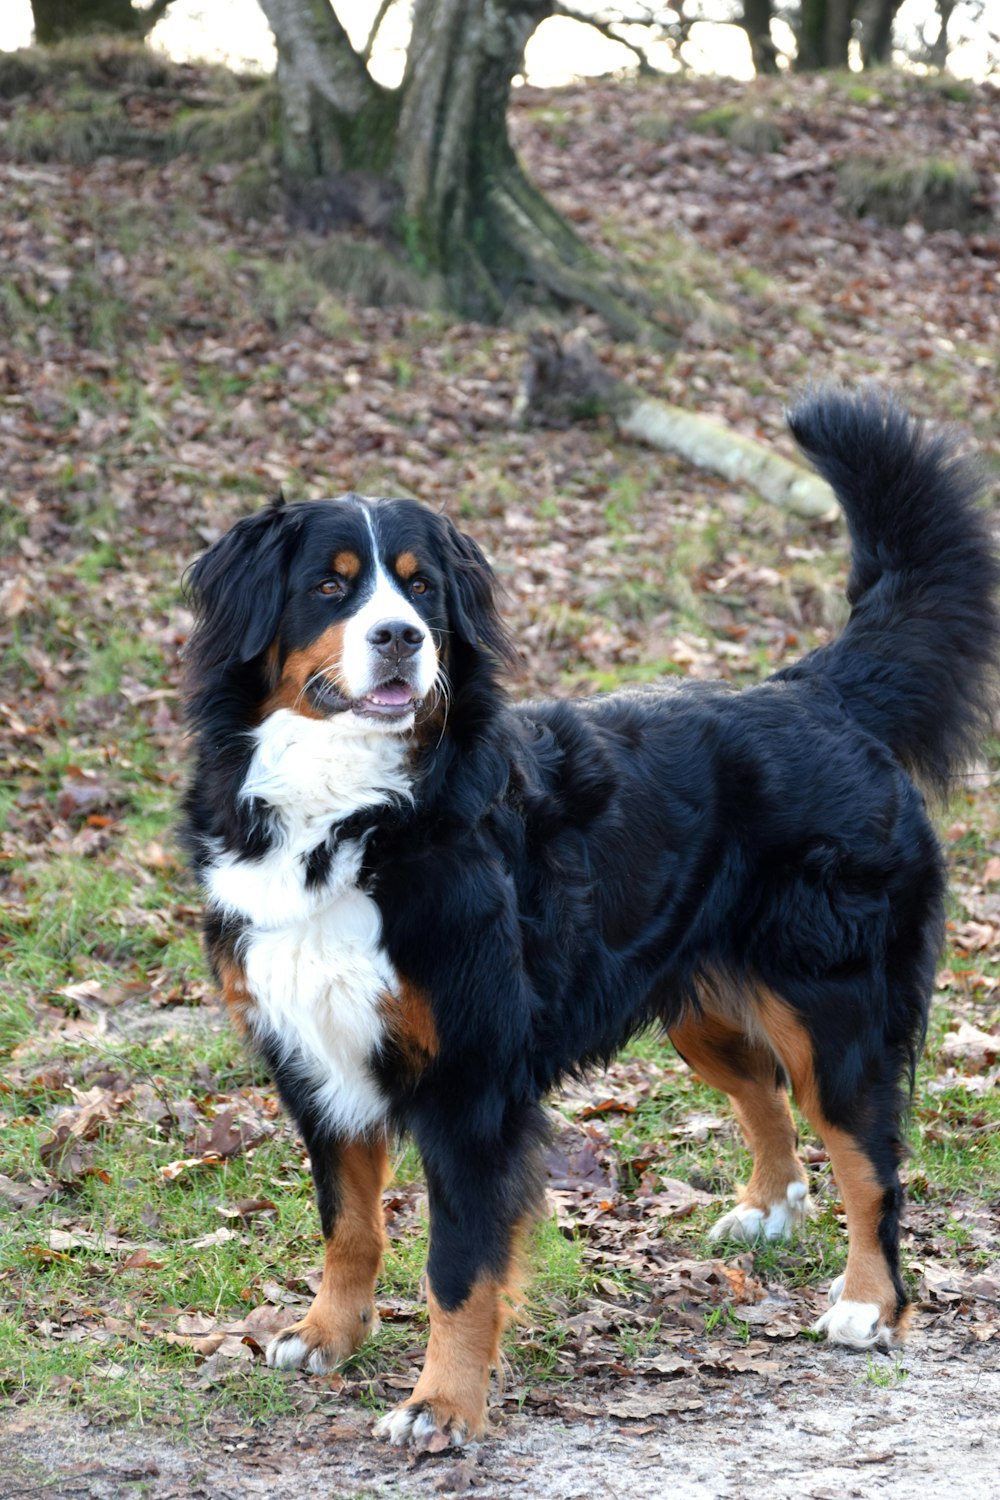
395 639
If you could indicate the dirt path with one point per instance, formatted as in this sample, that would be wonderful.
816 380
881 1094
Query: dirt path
816 1426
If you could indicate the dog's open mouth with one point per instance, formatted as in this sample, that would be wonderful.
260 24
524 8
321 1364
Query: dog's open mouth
390 700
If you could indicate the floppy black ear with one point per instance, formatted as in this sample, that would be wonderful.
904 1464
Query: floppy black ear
237 590
472 597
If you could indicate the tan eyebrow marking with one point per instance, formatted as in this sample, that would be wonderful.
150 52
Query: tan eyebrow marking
347 564
406 565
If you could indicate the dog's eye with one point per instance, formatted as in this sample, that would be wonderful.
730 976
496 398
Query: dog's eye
419 586
331 587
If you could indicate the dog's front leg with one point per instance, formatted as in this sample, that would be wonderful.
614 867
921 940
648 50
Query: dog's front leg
481 1196
349 1178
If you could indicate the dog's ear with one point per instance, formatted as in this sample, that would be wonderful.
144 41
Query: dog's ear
237 590
472 597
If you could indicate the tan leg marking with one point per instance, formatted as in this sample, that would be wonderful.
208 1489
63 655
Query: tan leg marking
322 657
343 1312
867 1278
461 1352
730 1061
448 1405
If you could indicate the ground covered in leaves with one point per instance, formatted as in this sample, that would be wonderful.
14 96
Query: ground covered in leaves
166 363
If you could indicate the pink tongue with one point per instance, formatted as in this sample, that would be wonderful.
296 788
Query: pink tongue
392 694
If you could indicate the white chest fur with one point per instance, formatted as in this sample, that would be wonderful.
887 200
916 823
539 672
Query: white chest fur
312 954
320 987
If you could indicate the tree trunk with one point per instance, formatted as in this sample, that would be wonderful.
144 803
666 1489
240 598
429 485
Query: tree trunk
810 33
467 211
55 19
939 48
876 31
823 34
757 25
839 15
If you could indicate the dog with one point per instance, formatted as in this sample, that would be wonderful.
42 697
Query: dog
425 906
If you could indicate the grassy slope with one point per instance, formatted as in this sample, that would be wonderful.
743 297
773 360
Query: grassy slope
166 364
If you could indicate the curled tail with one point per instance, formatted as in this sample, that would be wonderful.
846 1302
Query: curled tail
916 663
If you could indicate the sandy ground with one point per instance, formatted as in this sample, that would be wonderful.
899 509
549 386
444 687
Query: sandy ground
813 1426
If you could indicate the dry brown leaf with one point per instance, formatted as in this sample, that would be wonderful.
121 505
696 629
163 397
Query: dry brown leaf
675 1199
662 1401
221 1236
972 937
247 1208
174 1169
25 1194
107 1243
230 1133
976 1049
141 1260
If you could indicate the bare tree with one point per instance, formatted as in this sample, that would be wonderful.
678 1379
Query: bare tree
439 145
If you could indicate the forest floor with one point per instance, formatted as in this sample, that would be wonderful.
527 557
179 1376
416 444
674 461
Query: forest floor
167 362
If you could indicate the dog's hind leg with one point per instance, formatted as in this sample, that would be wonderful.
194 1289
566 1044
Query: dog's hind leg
860 1127
775 1202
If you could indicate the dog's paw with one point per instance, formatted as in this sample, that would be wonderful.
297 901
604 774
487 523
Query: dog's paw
778 1221
428 1426
309 1346
857 1324
300 1349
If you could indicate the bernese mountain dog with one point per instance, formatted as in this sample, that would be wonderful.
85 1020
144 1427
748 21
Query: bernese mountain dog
426 905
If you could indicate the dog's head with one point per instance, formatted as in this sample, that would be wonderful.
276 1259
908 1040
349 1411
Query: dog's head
368 609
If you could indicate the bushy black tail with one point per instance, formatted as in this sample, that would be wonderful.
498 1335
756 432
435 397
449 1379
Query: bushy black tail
917 661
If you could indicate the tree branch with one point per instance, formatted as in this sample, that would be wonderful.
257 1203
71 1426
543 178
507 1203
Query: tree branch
604 27
149 17
384 8
324 58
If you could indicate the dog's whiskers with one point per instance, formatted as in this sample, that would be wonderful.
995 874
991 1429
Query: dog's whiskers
318 675
441 697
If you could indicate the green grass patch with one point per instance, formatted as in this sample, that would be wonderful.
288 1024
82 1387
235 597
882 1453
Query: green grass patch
940 193
748 130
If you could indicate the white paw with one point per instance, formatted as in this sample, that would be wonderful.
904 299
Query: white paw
290 1352
416 1425
780 1221
853 1323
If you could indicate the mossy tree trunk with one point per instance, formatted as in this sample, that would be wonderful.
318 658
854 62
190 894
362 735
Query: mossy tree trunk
56 19
467 210
756 23
877 18
823 33
824 28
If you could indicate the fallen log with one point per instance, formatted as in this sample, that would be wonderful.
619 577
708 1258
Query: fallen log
564 381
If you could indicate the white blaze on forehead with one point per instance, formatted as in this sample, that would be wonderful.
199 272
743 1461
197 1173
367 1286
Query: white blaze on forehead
387 601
